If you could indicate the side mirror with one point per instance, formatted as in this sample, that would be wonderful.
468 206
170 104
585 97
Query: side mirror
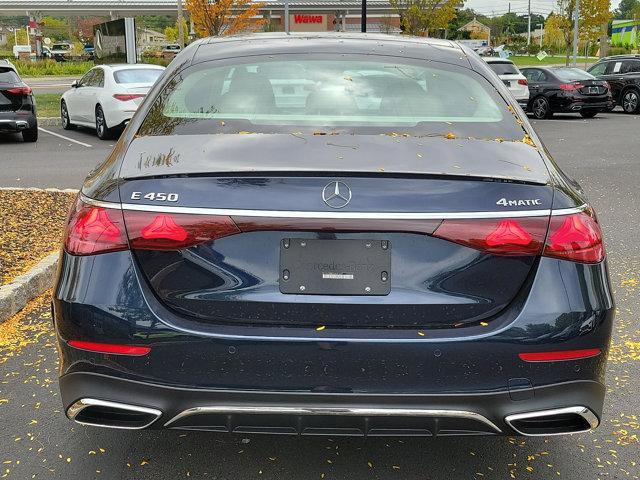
75 84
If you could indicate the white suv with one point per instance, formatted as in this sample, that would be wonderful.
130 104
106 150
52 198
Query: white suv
512 78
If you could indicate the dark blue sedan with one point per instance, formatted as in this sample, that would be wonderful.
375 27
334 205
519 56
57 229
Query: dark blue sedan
332 235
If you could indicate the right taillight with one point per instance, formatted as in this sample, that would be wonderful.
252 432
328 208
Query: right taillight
505 236
575 237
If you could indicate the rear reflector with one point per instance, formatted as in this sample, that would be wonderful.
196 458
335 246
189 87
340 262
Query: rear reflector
132 350
92 230
559 355
125 97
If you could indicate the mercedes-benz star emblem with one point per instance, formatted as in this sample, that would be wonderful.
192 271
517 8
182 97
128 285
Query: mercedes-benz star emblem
336 194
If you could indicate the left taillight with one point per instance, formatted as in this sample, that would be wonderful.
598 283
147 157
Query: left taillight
93 229
125 97
163 231
23 90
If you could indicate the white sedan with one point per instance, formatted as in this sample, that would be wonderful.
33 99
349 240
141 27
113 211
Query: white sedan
107 96
515 81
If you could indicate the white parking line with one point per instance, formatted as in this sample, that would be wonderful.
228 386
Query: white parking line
65 138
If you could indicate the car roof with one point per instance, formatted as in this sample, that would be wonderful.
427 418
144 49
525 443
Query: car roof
8 64
626 56
496 60
130 66
275 43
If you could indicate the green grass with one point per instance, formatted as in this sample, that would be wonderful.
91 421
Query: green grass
525 60
43 68
48 104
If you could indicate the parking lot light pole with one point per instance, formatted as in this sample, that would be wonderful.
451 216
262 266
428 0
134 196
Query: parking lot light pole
180 26
286 17
576 21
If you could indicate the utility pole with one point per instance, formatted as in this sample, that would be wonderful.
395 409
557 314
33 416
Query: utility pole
541 33
509 8
576 21
529 26
180 26
363 17
286 17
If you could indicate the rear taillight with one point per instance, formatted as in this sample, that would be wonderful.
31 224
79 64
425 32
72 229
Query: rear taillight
162 231
24 90
571 86
507 236
575 237
125 97
522 81
92 230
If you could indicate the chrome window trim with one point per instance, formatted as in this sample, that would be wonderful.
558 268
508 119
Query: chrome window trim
74 410
232 212
584 412
349 411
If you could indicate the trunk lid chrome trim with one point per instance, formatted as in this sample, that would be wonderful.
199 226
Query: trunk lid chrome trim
333 214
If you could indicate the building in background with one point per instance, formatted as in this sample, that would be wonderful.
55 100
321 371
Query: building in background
625 33
150 38
477 30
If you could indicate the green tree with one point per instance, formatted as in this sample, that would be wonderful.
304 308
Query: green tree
626 9
425 17
172 32
594 15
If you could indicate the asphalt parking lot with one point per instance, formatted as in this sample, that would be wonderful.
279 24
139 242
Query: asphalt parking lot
39 442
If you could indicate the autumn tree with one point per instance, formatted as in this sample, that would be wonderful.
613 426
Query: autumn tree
422 17
224 17
594 15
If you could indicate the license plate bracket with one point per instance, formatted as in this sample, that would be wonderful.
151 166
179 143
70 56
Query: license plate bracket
335 267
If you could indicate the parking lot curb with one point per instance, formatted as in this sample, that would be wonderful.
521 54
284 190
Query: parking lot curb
15 295
49 121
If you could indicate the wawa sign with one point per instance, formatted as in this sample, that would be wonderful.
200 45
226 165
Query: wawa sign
304 22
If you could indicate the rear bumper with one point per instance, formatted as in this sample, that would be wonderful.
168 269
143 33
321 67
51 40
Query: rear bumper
10 122
477 370
302 413
580 106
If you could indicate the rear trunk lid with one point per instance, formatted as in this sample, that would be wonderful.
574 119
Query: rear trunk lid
289 256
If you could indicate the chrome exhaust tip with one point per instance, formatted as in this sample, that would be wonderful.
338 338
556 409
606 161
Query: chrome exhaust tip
102 413
558 421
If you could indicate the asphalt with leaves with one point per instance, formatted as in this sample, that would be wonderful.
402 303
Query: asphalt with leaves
37 441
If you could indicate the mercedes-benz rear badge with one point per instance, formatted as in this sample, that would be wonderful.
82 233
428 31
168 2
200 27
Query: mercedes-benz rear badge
336 194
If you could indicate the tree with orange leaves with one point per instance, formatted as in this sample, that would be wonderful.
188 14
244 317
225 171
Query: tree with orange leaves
224 17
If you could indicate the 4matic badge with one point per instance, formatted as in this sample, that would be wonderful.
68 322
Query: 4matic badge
519 203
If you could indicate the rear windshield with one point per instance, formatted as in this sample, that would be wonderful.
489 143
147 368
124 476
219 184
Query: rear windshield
321 93
7 75
137 75
571 74
503 68
61 46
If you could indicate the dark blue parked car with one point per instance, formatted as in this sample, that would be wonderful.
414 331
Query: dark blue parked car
332 234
